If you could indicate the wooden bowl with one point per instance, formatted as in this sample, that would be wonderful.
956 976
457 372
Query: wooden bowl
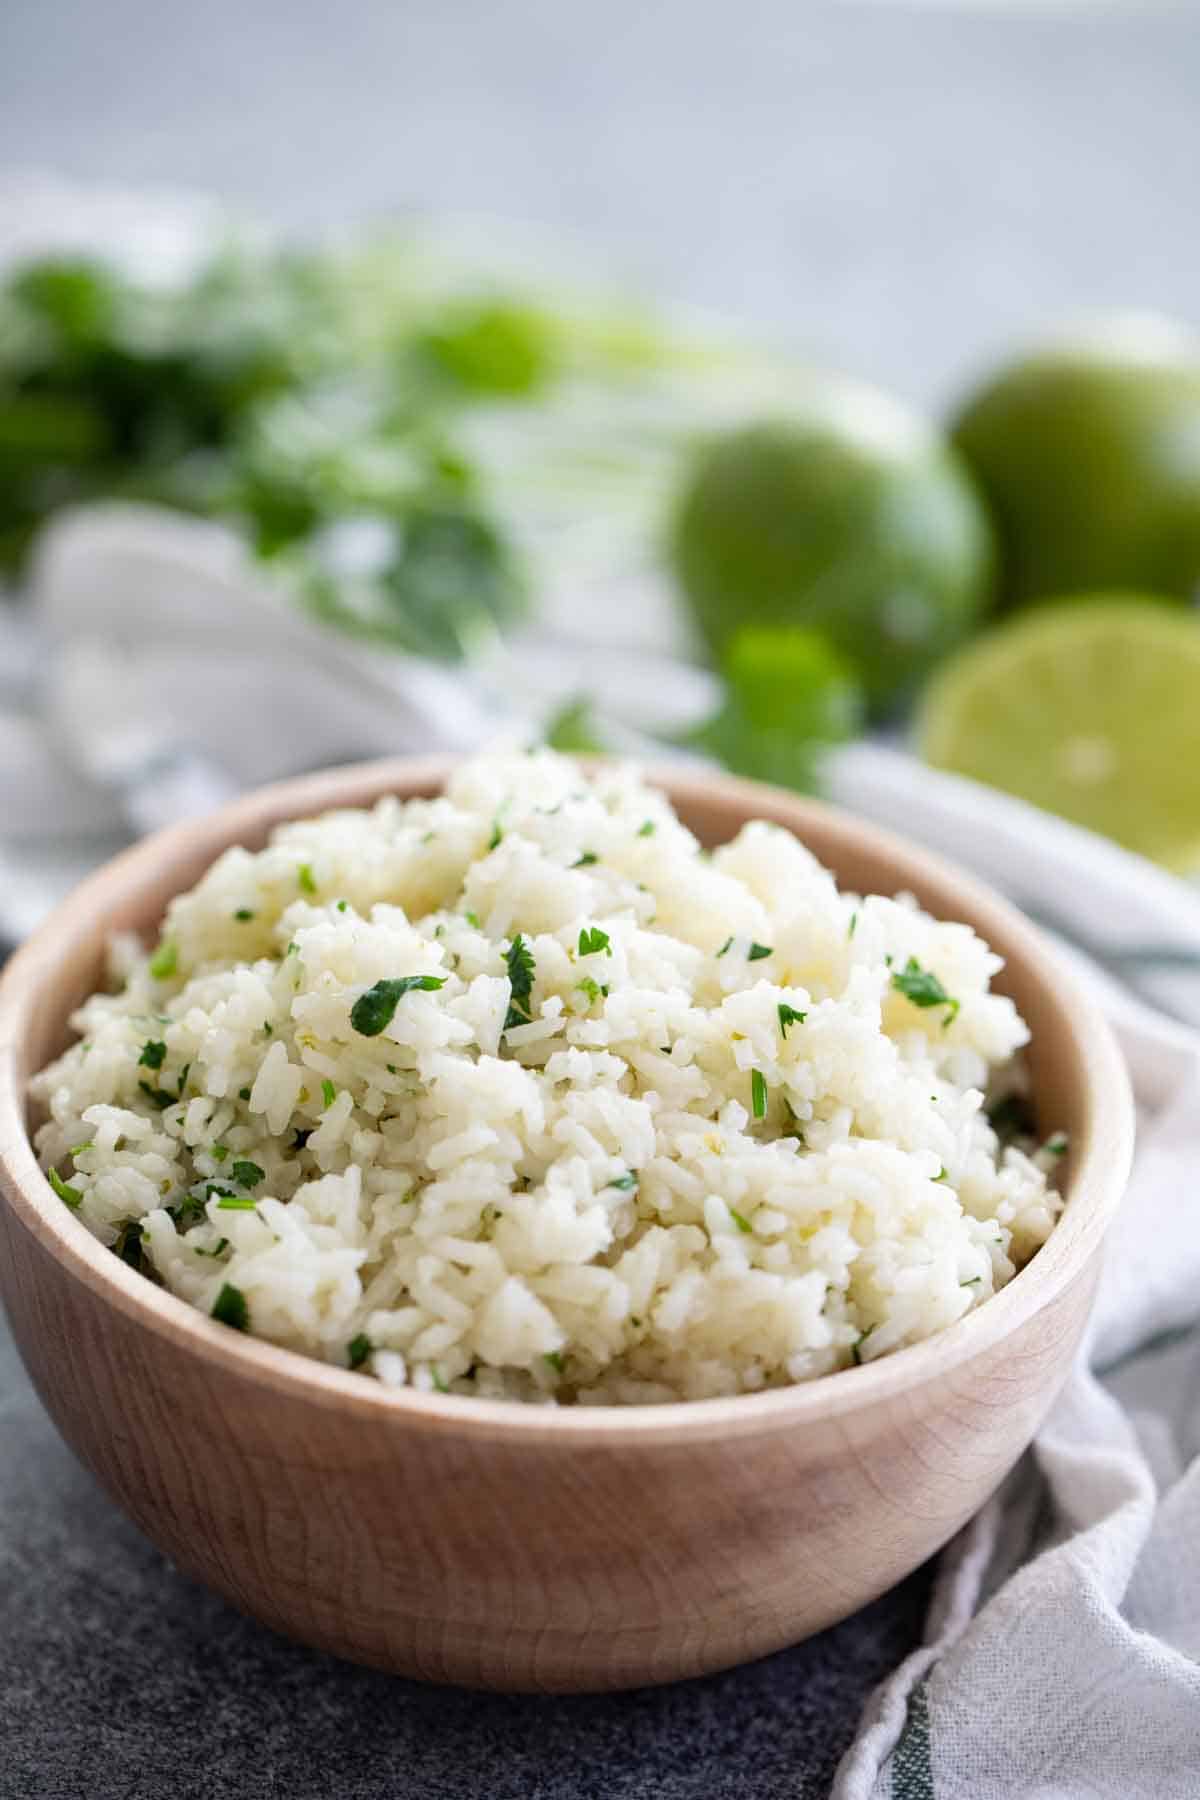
514 1547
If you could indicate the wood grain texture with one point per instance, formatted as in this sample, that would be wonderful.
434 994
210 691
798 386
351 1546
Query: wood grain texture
500 1546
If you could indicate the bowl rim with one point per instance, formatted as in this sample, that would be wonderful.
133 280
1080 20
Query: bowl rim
1097 1174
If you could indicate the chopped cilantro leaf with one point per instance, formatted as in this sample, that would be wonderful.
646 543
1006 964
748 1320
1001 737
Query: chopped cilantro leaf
756 952
358 1350
439 1381
742 1223
159 1096
243 1093
725 946
328 1092
472 919
855 1348
625 1182
519 961
343 906
853 925
758 1093
586 860
555 1361
306 879
164 961
497 836
68 1194
230 1308
590 988
1056 1145
129 1243
592 940
219 1152
247 1174
647 828
972 1282
373 1011
789 1016
153 1055
188 1213
243 915
923 989
941 1174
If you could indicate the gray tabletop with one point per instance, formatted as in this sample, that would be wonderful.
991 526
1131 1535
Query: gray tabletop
899 190
121 1680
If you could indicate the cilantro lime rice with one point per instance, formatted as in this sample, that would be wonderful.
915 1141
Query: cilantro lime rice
518 1092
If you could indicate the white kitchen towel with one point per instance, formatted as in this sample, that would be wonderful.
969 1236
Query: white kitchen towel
1062 1653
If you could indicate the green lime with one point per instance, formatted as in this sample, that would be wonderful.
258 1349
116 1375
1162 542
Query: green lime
849 517
1089 457
1091 709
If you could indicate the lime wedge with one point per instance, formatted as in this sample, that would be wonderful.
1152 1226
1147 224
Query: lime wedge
1090 709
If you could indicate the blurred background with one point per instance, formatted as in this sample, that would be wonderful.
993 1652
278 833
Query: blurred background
734 382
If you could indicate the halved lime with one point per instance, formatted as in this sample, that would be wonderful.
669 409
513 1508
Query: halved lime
1089 708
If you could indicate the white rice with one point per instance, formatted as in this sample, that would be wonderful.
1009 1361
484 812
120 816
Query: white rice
581 1207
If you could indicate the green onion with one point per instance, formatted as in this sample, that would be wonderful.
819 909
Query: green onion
68 1194
373 1011
230 1308
758 1093
236 1203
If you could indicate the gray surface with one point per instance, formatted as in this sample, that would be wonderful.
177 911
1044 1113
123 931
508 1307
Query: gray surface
120 1680
900 191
